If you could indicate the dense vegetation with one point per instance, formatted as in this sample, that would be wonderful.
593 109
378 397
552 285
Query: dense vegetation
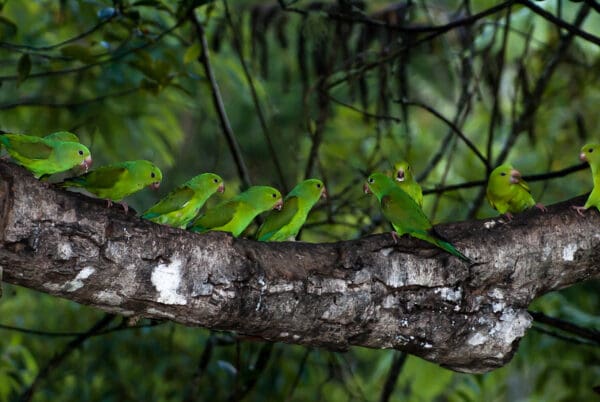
333 90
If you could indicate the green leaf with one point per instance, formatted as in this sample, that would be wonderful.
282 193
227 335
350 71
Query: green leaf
192 53
78 52
23 68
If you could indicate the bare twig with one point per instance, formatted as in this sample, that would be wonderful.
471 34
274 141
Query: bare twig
261 116
390 382
218 103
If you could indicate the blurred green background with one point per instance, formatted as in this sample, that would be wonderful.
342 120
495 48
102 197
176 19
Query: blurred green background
343 93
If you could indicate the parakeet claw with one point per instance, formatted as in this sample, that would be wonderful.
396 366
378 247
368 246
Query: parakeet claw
508 216
541 207
579 209
395 236
125 206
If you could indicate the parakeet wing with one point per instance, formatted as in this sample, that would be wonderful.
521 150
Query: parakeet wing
277 219
31 150
524 185
172 202
103 177
405 214
218 216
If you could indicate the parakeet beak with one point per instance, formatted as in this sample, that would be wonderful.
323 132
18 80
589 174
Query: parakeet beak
86 163
324 193
400 175
155 185
515 176
278 205
582 157
221 188
367 189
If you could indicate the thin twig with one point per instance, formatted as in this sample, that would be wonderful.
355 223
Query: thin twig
218 103
261 116
566 326
58 359
390 382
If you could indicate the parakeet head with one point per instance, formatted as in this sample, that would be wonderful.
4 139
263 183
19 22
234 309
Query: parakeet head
74 151
403 172
311 190
590 153
263 197
146 173
505 174
378 184
208 182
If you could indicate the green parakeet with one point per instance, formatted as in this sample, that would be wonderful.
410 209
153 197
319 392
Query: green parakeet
116 181
590 153
182 205
508 193
404 214
43 156
403 176
63 136
285 224
236 214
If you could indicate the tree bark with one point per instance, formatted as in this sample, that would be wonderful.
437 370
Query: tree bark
369 292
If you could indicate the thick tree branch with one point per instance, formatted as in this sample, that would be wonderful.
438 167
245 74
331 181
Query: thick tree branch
369 292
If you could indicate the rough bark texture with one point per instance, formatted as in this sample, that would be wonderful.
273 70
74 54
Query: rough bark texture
368 292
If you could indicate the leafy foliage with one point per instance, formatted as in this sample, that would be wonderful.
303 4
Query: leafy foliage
345 90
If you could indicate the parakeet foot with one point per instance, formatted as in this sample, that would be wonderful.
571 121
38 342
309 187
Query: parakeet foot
395 236
579 209
541 207
508 216
124 205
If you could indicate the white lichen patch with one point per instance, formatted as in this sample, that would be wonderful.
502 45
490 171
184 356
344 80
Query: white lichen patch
325 286
160 313
477 339
449 294
396 276
77 283
166 278
281 288
489 224
498 306
568 253
512 325
64 251
109 297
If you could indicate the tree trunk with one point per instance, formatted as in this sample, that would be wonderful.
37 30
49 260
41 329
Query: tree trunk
368 292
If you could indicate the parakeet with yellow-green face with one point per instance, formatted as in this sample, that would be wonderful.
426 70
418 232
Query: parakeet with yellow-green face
182 205
236 214
285 224
43 156
403 175
118 180
404 214
508 193
590 153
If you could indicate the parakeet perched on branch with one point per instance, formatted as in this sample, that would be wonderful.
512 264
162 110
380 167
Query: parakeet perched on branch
116 181
508 193
43 156
404 214
182 205
590 153
285 224
403 175
236 214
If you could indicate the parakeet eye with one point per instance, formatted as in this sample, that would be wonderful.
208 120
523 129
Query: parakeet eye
502 174
152 175
318 185
274 195
591 150
80 152
216 180
371 180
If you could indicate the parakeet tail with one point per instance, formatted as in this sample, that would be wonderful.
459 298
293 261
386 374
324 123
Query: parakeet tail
452 250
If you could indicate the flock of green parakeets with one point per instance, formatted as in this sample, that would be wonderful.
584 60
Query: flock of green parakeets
400 196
